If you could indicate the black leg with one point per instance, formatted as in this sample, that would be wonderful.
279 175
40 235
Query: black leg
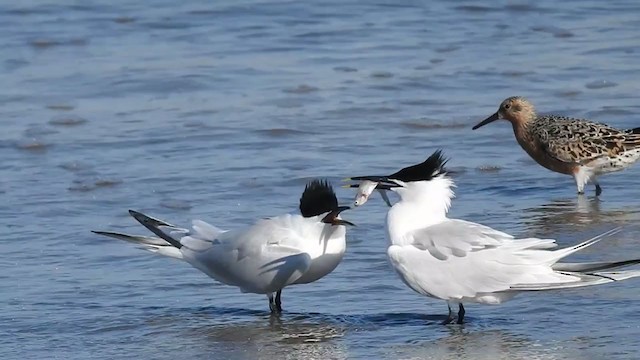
279 301
272 305
449 318
460 314
598 190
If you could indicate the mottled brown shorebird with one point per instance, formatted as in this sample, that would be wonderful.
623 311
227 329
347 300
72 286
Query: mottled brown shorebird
577 147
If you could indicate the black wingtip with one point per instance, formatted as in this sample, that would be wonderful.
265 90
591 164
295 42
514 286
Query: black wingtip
136 214
153 226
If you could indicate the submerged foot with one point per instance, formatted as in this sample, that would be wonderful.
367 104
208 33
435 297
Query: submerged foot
275 308
598 190
449 318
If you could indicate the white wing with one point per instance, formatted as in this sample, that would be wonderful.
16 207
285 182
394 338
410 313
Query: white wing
459 237
462 260
264 258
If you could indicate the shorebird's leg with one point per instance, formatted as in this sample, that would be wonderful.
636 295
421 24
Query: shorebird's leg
278 301
581 175
598 188
449 318
461 314
272 304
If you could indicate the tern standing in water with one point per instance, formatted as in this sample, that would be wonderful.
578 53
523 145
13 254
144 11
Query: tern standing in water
463 262
576 147
263 258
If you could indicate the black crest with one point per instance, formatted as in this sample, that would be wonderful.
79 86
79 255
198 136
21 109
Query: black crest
318 198
425 171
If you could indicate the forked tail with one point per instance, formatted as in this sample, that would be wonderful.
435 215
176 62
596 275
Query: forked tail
154 226
171 239
586 273
164 244
585 279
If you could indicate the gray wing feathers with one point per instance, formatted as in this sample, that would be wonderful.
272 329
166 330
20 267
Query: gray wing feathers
585 279
593 266
136 239
457 238
149 243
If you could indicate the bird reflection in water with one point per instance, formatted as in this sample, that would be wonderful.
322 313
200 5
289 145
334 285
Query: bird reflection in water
463 343
279 337
571 214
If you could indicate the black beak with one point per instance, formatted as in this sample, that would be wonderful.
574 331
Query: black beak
488 120
383 182
332 217
378 187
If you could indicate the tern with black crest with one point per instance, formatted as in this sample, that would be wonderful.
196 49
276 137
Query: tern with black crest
463 262
265 257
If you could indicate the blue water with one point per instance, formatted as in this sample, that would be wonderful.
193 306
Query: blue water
223 110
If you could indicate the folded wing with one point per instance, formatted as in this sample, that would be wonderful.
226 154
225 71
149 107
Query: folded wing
458 259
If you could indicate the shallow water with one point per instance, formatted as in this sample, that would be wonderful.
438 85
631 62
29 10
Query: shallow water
223 111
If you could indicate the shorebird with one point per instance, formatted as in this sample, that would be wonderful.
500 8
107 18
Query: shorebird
463 262
265 257
577 147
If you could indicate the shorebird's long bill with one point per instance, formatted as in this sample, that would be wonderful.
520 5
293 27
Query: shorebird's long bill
488 120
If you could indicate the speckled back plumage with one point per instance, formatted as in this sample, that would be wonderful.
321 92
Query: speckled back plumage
576 147
586 143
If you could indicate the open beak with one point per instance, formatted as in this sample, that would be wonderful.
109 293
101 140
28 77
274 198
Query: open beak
332 217
488 120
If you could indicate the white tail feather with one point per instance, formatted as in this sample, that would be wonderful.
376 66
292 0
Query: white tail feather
620 275
593 266
561 253
206 231
585 274
588 279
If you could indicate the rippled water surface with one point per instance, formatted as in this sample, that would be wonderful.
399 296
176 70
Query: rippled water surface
223 110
